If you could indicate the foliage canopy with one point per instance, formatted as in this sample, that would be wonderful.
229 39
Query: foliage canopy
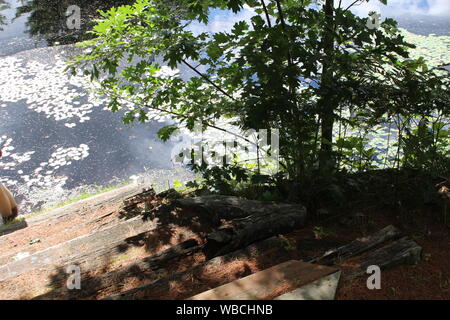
307 68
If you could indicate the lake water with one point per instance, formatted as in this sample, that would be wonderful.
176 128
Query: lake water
58 139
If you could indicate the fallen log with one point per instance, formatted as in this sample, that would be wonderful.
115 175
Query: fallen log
217 208
162 288
151 267
357 246
403 251
258 226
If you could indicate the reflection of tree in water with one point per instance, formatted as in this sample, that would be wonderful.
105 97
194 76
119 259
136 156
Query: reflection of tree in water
3 6
48 19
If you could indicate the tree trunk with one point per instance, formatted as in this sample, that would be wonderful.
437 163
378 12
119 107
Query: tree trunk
326 103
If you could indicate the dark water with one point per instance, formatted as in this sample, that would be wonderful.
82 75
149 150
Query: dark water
57 138
425 25
30 24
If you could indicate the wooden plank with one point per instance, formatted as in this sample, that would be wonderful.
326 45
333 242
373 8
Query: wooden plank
357 246
86 205
403 251
149 267
7 229
162 288
321 289
66 252
266 283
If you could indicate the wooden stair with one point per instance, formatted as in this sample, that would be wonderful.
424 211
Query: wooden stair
40 274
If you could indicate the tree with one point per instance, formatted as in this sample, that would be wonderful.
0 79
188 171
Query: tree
294 66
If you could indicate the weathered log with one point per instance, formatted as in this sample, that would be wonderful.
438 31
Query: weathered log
160 288
151 267
71 250
169 194
219 208
85 206
258 226
130 203
10 255
403 251
7 229
356 247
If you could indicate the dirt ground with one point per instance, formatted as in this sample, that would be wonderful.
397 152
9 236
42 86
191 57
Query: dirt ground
430 279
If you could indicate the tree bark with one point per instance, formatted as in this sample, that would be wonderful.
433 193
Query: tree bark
326 104
242 232
241 221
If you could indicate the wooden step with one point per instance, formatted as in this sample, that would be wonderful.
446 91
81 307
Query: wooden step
322 289
148 268
211 273
269 283
400 252
357 246
66 252
7 229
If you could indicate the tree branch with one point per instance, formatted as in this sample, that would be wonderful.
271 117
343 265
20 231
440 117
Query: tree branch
207 79
280 12
267 13
351 5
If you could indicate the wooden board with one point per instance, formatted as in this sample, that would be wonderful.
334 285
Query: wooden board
163 287
73 250
322 289
269 283
357 246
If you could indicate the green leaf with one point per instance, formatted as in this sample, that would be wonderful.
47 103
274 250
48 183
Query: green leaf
165 133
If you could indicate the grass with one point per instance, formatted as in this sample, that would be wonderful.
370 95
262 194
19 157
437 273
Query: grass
80 197
17 220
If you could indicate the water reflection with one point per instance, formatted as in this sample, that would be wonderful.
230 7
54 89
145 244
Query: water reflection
47 19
